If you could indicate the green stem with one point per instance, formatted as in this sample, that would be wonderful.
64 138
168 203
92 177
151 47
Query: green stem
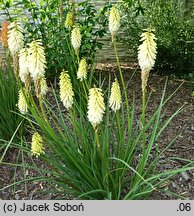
84 87
120 71
42 109
77 54
99 147
143 120
120 148
97 139
121 143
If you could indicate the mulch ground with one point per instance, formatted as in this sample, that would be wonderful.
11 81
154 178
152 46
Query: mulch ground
183 147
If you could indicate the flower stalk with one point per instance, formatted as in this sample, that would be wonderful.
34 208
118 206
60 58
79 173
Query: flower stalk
146 58
120 72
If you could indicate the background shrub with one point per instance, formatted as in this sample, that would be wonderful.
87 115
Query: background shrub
173 29
46 21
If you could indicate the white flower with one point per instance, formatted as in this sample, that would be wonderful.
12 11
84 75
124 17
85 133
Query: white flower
147 51
82 70
114 20
36 60
115 97
66 90
23 64
22 104
15 37
96 106
76 38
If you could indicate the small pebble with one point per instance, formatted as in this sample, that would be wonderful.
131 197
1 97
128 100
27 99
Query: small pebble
168 166
192 127
174 184
17 196
185 176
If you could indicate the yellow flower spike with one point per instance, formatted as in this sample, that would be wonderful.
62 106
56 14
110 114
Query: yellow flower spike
37 145
147 50
82 70
69 20
66 90
15 37
23 65
22 103
115 96
4 33
114 20
76 39
43 87
147 56
36 60
96 106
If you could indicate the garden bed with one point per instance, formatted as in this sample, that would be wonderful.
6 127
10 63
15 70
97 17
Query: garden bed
183 147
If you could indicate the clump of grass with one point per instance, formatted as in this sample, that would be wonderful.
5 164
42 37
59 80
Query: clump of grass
9 119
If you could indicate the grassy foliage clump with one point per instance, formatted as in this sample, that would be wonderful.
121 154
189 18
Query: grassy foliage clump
9 118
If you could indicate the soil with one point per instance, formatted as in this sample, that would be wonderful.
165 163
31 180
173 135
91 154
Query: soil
182 127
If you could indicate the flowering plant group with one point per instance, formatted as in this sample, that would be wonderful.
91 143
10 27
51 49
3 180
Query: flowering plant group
92 148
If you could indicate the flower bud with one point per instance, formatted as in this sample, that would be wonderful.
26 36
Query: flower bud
69 20
76 38
82 70
115 96
43 87
22 103
37 145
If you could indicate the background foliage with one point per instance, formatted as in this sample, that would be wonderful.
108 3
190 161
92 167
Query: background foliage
173 29
46 22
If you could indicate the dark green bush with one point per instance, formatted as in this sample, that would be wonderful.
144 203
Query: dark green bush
46 21
173 29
